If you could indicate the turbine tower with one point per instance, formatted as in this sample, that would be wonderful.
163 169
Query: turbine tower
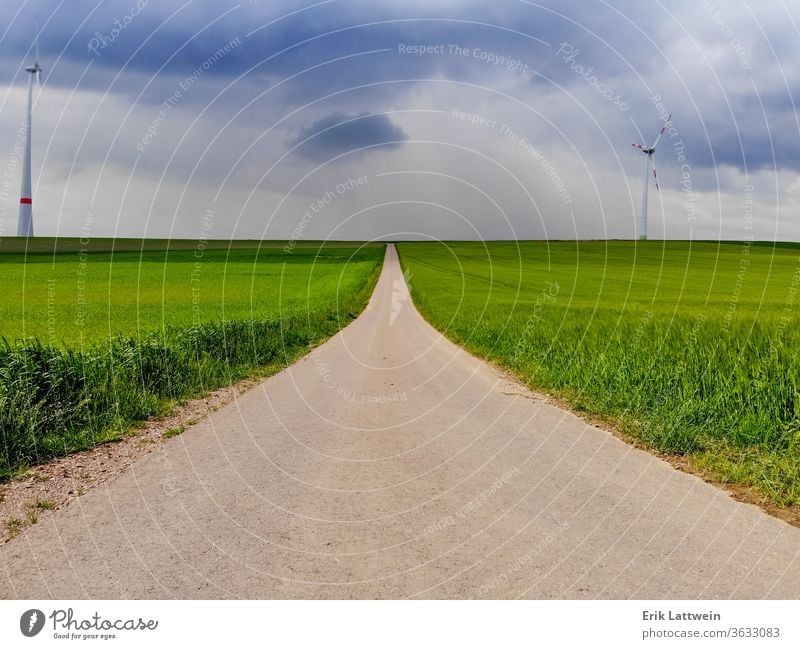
649 151
25 224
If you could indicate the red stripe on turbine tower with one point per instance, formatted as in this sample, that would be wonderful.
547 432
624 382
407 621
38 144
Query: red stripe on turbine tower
26 201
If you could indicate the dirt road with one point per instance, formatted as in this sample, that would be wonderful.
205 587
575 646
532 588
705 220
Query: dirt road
390 463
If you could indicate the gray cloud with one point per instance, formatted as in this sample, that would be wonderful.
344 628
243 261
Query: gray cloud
338 134
728 75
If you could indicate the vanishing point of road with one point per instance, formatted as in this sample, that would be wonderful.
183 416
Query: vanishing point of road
390 463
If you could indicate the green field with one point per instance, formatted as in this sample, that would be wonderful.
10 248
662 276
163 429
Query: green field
691 348
86 294
98 337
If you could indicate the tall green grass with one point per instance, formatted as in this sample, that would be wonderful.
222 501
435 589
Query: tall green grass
57 399
86 295
694 349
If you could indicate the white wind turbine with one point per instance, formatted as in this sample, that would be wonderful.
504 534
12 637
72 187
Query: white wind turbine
649 151
25 224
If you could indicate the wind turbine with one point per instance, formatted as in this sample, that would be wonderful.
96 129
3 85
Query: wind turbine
649 151
25 224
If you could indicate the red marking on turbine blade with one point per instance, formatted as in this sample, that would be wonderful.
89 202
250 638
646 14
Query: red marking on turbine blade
656 177
26 201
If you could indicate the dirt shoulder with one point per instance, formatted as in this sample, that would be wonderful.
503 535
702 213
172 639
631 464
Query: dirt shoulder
53 485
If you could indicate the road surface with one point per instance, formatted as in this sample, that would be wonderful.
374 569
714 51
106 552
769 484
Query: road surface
390 463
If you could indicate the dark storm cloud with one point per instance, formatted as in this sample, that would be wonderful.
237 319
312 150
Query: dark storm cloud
319 66
338 133
142 47
287 36
760 132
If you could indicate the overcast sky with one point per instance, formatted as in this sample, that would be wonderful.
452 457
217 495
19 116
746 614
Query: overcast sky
359 119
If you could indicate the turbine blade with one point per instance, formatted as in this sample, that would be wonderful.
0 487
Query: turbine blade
661 132
36 37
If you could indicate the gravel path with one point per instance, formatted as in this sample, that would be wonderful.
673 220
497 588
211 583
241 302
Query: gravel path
391 463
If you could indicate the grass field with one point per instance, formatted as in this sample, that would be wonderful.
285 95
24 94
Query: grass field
694 349
85 294
102 336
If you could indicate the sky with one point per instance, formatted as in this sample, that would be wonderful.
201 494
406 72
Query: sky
404 119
